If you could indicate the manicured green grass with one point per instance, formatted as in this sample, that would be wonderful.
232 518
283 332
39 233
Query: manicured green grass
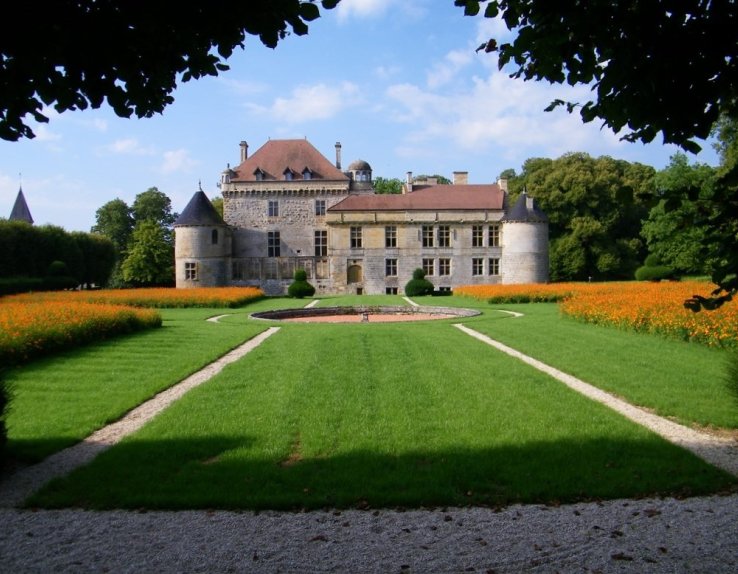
58 401
382 415
675 379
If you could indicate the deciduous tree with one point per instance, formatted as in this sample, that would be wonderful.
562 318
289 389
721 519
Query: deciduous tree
150 259
82 53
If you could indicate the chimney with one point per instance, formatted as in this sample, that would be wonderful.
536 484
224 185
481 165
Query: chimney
461 177
502 182
338 155
244 151
409 182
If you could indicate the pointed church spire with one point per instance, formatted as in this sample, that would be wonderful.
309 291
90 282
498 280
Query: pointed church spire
20 211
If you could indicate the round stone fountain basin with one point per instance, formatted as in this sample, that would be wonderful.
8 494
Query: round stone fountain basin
364 314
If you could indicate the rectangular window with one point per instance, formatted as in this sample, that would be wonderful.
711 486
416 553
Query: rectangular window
320 207
390 290
390 236
477 266
477 236
191 271
494 266
444 266
444 236
356 238
390 267
429 266
427 234
273 208
494 235
321 243
273 244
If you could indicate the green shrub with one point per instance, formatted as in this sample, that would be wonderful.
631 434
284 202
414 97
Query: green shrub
11 285
656 273
300 287
418 285
652 270
652 260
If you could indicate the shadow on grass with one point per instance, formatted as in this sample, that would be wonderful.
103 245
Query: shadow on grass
228 473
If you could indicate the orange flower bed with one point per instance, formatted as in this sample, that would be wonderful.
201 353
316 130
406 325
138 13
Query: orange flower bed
530 293
154 297
657 308
30 329
640 306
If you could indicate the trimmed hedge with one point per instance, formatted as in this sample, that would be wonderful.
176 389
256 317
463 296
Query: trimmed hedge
418 285
655 273
300 287
652 270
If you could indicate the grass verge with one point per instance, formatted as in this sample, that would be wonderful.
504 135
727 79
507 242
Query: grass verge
58 401
686 381
374 415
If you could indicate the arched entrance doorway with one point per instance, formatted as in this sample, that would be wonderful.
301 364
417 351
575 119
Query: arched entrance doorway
354 274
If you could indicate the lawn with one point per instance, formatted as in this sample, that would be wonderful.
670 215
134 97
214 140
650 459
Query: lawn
59 400
382 415
677 379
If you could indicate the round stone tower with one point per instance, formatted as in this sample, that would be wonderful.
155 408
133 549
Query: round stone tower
524 243
202 245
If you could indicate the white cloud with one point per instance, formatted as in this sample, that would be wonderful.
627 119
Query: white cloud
243 88
97 124
495 115
386 72
130 146
316 102
178 160
362 8
44 134
444 72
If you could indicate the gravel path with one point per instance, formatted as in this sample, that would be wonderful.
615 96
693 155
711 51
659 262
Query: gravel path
649 535
659 536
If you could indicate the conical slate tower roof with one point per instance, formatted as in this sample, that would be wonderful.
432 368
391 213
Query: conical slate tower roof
525 210
199 211
20 211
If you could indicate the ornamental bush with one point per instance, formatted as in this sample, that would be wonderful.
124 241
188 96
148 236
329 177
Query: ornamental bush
300 287
418 285
652 270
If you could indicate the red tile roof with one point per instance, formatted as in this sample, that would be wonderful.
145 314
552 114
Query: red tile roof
275 156
434 197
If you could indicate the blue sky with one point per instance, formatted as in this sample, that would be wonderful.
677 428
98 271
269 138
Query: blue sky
397 82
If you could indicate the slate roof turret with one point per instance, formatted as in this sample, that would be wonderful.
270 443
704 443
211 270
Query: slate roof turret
199 211
525 210
20 211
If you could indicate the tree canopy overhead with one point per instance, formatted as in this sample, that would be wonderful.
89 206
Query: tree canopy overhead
75 54
666 67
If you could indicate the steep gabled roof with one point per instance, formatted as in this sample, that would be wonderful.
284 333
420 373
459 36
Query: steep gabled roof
525 210
432 197
276 156
20 211
199 211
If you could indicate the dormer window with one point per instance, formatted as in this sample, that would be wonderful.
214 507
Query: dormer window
288 174
307 174
259 174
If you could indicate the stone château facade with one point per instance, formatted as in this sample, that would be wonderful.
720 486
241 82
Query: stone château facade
287 207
